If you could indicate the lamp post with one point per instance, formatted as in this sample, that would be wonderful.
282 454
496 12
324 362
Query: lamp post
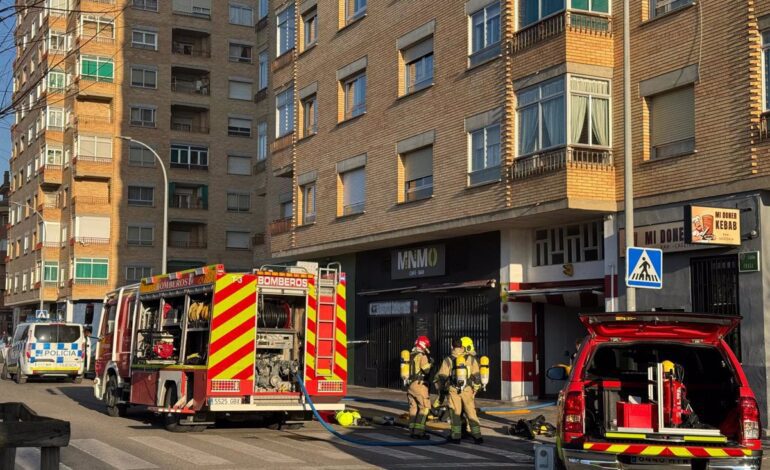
42 249
628 161
165 194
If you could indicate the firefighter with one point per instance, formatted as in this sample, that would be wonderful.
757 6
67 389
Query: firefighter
417 391
460 377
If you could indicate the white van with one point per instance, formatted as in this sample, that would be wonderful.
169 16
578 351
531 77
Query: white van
46 349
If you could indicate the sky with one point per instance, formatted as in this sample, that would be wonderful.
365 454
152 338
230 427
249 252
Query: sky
7 54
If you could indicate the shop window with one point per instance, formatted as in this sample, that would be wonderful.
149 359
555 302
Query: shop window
571 244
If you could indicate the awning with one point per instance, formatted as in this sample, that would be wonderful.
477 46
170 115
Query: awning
477 284
577 296
387 291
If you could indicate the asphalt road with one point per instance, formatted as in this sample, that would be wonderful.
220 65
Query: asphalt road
139 442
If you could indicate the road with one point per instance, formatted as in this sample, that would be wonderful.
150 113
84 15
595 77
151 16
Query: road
139 442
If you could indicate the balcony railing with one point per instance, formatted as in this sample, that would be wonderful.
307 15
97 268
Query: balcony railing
187 244
555 25
193 88
764 127
184 127
89 282
89 119
91 200
558 159
175 203
186 49
279 226
89 241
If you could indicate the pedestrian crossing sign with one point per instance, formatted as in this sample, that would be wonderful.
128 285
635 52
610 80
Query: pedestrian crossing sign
644 268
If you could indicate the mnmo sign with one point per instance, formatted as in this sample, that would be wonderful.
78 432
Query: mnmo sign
424 261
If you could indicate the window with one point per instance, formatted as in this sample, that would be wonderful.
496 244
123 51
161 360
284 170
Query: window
541 117
136 273
241 15
51 273
309 28
189 156
532 11
53 155
91 269
142 116
355 96
284 104
661 7
766 68
141 195
485 27
91 146
201 8
262 141
262 84
485 155
571 244
57 80
285 30
599 6
151 5
140 235
237 165
144 39
287 206
240 90
354 9
239 127
140 156
57 42
54 118
672 122
589 112
96 68
238 202
237 240
309 115
240 53
418 66
418 174
308 203
144 77
97 28
263 8
353 191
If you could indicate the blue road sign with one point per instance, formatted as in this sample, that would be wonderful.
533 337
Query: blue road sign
644 268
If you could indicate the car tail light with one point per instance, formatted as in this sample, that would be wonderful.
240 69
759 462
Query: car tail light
574 412
750 425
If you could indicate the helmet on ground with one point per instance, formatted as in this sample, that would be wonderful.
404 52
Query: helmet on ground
467 343
422 342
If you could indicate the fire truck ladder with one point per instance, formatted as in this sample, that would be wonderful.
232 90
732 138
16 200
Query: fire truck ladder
328 279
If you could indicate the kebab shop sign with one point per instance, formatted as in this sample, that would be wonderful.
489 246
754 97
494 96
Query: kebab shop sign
668 237
713 225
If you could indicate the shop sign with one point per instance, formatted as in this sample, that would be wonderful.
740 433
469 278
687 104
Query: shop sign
393 307
669 237
748 262
712 225
425 261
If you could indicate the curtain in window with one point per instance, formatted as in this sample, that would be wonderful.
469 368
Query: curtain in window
528 130
600 115
493 146
578 119
553 122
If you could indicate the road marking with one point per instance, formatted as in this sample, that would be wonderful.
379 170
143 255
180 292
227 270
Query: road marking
110 455
314 447
443 450
28 458
248 449
516 456
180 451
386 451
465 465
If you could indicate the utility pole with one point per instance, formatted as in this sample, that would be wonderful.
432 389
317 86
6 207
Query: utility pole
628 161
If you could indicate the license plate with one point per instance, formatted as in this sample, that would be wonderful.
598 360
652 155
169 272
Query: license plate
651 460
225 401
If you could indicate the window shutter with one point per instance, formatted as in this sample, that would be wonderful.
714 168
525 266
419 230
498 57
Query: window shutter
95 227
240 90
239 165
418 50
418 164
673 116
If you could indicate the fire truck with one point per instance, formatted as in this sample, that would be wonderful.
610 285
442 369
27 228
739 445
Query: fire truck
193 344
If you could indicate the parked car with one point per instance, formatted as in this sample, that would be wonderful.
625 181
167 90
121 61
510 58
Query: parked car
46 349
657 390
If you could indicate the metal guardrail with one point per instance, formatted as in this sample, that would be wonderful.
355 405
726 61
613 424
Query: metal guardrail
558 159
556 24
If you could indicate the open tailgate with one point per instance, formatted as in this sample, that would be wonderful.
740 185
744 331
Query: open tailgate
659 325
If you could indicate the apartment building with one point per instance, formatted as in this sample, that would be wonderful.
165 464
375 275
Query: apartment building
87 206
464 162
6 314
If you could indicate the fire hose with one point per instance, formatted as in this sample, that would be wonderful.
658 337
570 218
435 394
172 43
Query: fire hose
357 441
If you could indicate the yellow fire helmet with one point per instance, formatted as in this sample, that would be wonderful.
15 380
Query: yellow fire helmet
668 366
467 344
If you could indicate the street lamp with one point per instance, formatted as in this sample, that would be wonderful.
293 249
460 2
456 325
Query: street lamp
165 194
42 249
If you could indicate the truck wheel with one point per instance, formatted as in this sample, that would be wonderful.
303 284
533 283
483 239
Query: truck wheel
171 420
20 378
110 398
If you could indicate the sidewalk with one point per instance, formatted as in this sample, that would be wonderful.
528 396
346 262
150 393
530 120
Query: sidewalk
495 415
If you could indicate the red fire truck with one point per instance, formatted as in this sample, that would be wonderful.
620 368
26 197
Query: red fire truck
194 343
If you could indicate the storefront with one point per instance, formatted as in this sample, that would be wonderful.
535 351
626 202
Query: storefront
443 289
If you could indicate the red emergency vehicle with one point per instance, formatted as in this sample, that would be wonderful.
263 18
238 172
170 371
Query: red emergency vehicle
199 342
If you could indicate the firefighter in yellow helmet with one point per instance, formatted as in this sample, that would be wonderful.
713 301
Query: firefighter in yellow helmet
418 393
460 376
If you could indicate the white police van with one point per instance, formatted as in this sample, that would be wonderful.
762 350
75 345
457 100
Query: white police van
46 349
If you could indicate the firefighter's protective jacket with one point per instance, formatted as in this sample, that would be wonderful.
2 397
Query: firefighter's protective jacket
419 366
445 376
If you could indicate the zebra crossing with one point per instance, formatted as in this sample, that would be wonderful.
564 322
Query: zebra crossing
231 451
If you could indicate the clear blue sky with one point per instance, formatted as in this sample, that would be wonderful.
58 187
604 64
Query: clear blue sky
7 53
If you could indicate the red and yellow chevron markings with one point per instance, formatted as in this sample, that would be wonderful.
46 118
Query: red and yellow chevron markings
340 326
667 451
233 328
312 318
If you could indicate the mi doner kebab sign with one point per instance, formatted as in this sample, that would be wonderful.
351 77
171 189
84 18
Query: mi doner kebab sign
712 225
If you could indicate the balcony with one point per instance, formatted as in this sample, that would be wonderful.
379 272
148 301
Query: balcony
763 128
92 167
190 81
188 196
279 226
560 159
190 43
92 204
281 158
187 235
569 20
50 174
191 119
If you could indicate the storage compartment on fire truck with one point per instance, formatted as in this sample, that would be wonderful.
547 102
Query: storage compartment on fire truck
660 388
280 323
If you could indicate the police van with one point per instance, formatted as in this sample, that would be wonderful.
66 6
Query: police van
46 349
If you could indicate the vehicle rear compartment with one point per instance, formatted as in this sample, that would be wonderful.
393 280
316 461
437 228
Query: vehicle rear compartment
621 394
